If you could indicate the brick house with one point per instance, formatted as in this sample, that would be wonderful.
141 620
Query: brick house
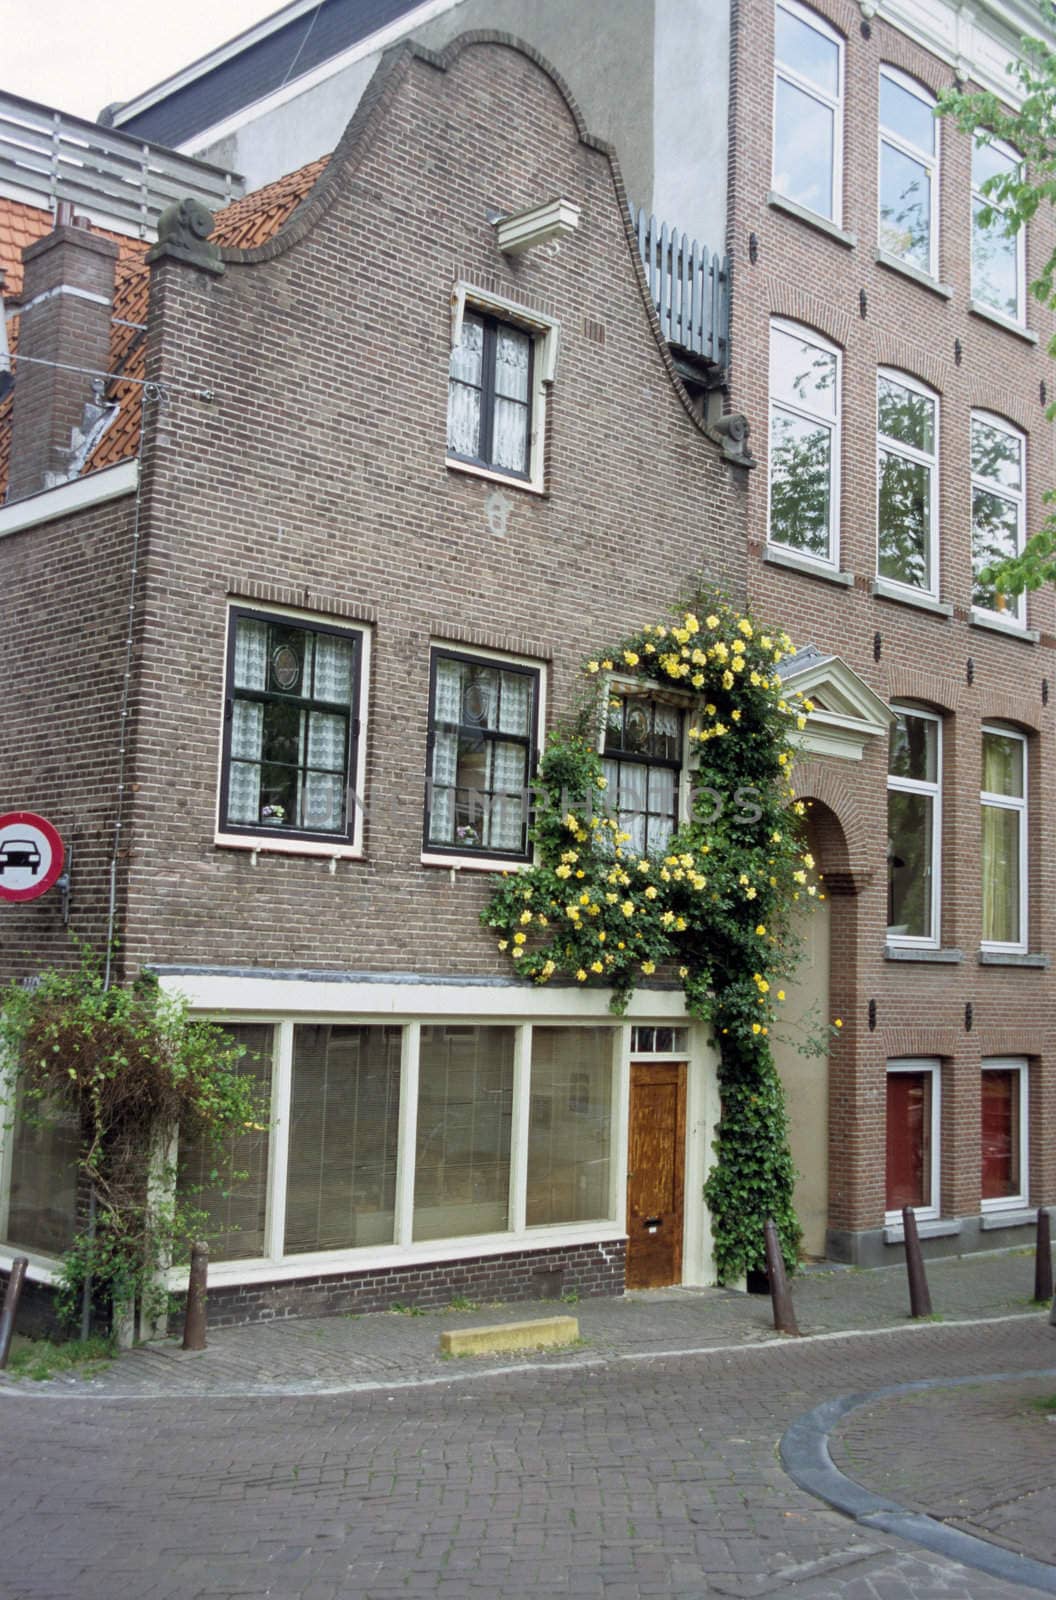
869 313
892 366
376 476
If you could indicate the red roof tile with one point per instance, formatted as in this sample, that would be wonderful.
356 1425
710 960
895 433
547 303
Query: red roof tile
245 224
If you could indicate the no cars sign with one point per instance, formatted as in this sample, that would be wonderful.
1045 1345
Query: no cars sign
31 855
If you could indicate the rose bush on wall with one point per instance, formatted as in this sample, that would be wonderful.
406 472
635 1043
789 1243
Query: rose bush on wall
713 907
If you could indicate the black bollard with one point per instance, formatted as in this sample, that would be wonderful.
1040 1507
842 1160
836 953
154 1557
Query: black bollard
194 1317
919 1298
11 1298
784 1313
1043 1258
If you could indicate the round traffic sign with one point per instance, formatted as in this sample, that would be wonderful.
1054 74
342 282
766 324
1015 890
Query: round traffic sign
31 855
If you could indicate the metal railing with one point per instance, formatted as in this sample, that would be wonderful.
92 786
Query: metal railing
690 286
107 174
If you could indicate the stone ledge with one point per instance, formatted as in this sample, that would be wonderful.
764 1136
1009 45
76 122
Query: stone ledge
990 1221
947 957
1001 958
544 1333
777 556
940 1228
813 219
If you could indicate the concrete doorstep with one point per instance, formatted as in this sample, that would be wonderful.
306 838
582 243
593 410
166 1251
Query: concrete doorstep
543 1333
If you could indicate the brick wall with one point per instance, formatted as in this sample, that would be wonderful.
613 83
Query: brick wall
317 477
803 274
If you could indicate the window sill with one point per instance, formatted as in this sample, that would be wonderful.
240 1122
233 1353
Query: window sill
907 270
473 863
999 320
812 218
265 844
1012 958
524 484
1016 1216
937 1228
884 589
997 624
950 956
779 557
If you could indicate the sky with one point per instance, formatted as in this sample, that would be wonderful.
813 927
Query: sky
80 55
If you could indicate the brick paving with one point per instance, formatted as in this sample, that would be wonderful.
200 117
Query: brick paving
618 1471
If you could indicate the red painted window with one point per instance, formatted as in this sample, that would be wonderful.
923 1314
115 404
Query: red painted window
1002 1177
908 1139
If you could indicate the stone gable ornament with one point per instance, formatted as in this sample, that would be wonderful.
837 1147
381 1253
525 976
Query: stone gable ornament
183 235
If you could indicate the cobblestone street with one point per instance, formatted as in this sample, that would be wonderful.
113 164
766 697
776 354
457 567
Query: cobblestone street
628 1475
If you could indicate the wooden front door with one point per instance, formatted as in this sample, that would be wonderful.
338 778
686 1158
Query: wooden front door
655 1170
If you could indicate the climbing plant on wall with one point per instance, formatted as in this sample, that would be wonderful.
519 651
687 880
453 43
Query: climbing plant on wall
711 907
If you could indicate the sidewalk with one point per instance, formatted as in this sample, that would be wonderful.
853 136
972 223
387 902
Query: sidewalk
327 1354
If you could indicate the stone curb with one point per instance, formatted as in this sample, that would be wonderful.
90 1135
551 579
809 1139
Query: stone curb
805 1457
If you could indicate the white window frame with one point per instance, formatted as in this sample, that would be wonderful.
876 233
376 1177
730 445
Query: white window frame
1018 240
927 159
933 1068
1018 1065
1019 804
277 1263
350 846
934 790
798 330
833 102
920 457
1014 611
545 332
432 856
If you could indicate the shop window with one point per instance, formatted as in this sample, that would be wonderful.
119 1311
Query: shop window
465 1114
230 1186
570 1126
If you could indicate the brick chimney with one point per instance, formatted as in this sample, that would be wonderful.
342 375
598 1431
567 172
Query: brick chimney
67 300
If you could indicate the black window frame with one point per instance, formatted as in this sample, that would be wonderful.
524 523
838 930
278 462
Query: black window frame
351 635
491 324
622 755
431 847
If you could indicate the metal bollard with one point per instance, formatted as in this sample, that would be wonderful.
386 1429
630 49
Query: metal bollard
11 1298
781 1298
919 1297
1043 1258
194 1317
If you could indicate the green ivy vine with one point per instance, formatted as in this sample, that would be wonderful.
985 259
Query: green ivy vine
712 908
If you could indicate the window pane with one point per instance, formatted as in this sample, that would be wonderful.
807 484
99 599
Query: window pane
467 355
995 264
804 138
465 1109
914 748
1003 764
207 1178
905 520
1002 1177
997 455
42 1214
905 207
800 483
989 162
802 373
807 51
995 535
344 1117
509 445
512 359
908 1139
1001 875
570 1126
906 415
909 863
906 114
